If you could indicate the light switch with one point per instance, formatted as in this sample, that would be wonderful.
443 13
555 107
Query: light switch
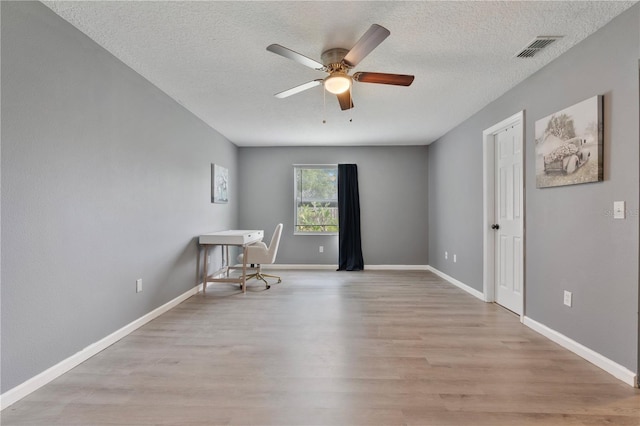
618 210
567 298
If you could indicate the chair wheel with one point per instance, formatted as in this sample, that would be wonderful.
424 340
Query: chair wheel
268 287
279 280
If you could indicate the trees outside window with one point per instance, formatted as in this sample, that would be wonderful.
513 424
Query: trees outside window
316 199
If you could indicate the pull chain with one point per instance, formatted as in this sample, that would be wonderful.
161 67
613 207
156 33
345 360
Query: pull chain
324 105
351 104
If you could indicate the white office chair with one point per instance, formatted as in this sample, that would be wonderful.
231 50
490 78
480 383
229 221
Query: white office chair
259 254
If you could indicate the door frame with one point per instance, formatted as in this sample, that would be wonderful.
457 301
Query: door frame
488 201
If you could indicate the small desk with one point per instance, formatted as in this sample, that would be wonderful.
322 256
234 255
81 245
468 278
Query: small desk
240 238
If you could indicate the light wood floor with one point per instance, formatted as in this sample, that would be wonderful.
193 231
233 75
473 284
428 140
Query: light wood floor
333 348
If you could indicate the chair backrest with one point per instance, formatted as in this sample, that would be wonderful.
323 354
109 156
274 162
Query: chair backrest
275 242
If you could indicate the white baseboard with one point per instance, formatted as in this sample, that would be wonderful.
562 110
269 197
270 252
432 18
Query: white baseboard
299 266
15 394
618 371
396 267
472 291
296 266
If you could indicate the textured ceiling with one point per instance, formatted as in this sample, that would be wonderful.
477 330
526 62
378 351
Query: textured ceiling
211 57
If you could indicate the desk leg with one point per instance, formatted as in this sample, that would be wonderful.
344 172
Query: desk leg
244 269
206 269
226 249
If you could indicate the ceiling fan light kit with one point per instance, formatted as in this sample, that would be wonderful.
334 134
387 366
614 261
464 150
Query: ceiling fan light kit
338 62
337 83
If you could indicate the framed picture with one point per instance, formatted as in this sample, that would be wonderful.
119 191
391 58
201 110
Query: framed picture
569 145
219 184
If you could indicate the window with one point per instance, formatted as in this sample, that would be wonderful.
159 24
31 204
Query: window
316 199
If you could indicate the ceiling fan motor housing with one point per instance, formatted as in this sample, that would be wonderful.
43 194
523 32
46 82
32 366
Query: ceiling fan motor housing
333 57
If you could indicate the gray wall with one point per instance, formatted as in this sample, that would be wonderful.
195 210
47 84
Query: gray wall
393 204
105 179
455 204
572 242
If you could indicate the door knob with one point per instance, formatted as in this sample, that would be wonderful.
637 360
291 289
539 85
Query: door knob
495 226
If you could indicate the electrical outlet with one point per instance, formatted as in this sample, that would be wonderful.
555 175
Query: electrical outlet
567 298
321 248
139 285
455 258
446 255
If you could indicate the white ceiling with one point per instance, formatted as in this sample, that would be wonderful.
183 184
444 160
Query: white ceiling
211 57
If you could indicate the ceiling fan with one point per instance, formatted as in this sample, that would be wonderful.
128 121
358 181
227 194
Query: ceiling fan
338 62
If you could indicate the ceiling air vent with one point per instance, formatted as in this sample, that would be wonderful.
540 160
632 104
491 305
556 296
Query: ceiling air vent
536 46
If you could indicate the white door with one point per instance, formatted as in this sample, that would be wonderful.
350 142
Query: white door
508 221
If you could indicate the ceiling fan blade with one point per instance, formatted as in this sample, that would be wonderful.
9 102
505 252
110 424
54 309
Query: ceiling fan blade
346 102
369 41
295 56
383 78
298 89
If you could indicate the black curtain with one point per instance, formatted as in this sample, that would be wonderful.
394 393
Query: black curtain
350 248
